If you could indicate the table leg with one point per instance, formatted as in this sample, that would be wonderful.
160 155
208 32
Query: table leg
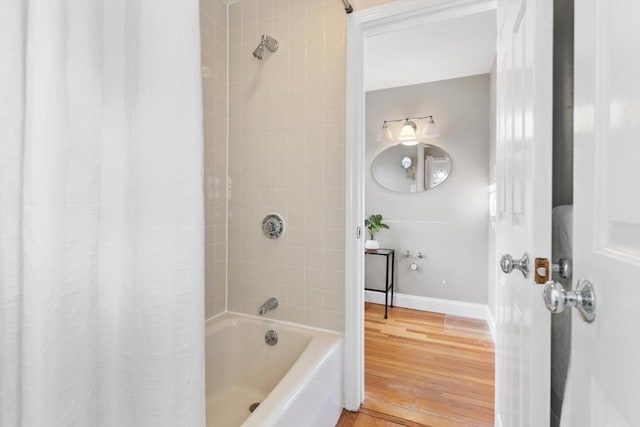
393 281
386 293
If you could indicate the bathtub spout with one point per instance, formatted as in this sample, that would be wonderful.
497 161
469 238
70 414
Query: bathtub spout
270 304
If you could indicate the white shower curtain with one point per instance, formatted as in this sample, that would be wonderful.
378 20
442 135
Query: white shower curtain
101 214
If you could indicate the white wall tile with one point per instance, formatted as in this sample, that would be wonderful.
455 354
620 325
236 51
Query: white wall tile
213 31
285 153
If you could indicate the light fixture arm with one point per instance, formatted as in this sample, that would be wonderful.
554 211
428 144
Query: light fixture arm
408 118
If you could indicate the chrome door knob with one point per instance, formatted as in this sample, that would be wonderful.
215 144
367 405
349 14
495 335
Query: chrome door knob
555 297
583 298
562 267
507 264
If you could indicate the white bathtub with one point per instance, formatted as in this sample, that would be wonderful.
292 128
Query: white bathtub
297 382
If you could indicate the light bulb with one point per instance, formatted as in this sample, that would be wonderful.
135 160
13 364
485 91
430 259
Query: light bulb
408 133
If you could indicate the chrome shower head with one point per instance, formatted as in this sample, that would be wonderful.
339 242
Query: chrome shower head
259 51
271 43
268 42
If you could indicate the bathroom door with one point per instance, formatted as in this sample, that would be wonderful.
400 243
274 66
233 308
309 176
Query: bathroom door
523 214
604 374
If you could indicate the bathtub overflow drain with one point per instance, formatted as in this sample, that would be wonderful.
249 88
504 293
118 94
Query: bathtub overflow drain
271 337
253 406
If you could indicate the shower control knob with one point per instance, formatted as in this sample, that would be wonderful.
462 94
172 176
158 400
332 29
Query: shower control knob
583 298
507 264
273 226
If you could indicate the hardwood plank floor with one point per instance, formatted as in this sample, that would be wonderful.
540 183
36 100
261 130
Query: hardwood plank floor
364 419
425 369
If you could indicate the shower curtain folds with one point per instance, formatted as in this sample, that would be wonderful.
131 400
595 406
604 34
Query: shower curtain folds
101 214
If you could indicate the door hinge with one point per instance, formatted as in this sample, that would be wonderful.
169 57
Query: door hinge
358 232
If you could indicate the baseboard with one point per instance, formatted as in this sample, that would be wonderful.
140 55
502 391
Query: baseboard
444 306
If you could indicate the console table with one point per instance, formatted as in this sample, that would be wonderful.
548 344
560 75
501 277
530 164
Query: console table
390 255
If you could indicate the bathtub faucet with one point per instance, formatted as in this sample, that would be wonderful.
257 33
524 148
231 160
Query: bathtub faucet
270 304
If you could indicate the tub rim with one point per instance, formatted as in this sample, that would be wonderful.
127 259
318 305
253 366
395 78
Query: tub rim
228 315
323 344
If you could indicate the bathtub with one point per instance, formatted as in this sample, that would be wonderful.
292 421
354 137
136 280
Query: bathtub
297 381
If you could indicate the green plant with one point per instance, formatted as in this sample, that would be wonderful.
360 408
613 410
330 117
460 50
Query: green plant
374 224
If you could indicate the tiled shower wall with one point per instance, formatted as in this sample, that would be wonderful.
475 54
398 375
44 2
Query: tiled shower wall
213 33
286 155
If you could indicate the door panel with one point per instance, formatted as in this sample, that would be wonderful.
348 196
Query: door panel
523 223
604 376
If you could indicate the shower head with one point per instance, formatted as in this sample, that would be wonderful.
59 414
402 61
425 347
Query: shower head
268 42
259 51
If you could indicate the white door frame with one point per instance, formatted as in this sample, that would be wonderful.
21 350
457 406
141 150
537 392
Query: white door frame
366 23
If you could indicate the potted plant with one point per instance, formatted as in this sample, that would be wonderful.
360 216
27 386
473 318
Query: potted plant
374 224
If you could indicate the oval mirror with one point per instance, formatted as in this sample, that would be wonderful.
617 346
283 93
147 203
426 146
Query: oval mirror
411 168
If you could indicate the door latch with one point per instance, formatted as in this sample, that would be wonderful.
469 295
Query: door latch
541 275
562 267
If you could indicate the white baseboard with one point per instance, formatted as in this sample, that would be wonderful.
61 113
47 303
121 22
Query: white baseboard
444 306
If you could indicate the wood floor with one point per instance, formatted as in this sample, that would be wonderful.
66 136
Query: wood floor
425 369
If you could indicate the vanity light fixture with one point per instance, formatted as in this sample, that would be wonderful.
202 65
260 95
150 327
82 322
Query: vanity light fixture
408 133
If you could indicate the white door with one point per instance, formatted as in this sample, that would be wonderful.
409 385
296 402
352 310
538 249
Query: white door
523 224
604 374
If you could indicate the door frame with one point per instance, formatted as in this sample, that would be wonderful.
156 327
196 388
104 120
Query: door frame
360 25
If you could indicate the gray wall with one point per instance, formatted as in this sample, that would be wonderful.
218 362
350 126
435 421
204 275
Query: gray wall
563 103
450 222
562 187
